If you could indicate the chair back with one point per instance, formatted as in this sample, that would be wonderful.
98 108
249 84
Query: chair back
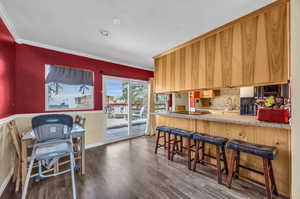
16 137
80 120
52 127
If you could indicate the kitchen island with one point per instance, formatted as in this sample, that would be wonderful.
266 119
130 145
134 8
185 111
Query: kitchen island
245 128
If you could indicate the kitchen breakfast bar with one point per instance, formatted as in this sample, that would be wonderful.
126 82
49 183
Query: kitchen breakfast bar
245 128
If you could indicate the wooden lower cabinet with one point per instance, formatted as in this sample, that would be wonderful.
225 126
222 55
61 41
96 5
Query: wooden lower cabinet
277 137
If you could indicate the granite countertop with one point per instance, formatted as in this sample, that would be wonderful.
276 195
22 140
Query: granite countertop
224 118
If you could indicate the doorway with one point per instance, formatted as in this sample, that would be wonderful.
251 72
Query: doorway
125 106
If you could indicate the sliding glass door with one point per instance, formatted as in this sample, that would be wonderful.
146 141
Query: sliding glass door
138 108
125 107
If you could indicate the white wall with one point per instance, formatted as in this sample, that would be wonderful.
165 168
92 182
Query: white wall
295 82
247 91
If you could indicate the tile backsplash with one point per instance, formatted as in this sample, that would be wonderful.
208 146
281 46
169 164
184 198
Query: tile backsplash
229 99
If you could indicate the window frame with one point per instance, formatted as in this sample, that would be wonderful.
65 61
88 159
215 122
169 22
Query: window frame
92 107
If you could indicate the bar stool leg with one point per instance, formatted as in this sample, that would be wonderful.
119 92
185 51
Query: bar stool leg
165 140
196 159
272 178
189 151
157 141
181 144
231 168
219 175
177 143
225 160
267 178
237 166
169 145
173 147
202 148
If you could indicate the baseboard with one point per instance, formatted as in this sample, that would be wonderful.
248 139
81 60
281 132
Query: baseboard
6 181
88 146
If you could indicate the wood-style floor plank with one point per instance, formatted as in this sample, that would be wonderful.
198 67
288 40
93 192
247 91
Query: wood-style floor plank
130 169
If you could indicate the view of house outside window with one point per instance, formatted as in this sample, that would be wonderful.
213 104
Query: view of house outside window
62 96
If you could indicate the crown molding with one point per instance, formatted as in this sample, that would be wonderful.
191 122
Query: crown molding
10 26
78 53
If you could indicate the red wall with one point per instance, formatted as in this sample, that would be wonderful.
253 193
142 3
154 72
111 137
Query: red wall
7 72
30 75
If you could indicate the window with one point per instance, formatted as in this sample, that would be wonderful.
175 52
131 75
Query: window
68 88
161 102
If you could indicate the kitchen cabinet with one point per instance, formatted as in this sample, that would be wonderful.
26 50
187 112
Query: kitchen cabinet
252 50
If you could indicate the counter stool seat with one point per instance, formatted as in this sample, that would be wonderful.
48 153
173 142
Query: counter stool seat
268 152
183 133
215 140
219 143
163 128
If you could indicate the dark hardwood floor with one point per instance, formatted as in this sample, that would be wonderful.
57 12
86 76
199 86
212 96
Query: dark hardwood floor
130 169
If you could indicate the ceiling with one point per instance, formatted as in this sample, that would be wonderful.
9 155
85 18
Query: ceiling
146 27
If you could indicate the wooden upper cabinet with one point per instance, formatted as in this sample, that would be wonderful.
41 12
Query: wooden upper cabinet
226 49
210 60
157 75
195 70
249 42
277 42
252 50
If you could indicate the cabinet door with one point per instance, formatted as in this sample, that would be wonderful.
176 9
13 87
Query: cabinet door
164 74
277 42
226 38
218 73
195 72
210 54
236 74
249 41
202 66
168 73
188 67
172 72
158 74
177 72
183 71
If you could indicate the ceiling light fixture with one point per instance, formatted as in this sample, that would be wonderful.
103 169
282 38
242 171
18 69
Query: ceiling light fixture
116 21
104 33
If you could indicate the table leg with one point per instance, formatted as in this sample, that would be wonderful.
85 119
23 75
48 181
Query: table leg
82 150
24 160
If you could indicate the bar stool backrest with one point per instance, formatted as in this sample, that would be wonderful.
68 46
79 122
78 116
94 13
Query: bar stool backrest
52 127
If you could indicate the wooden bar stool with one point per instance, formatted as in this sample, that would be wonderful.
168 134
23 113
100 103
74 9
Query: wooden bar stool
267 153
219 142
179 134
166 131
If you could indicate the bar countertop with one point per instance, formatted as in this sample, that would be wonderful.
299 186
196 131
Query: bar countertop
225 118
